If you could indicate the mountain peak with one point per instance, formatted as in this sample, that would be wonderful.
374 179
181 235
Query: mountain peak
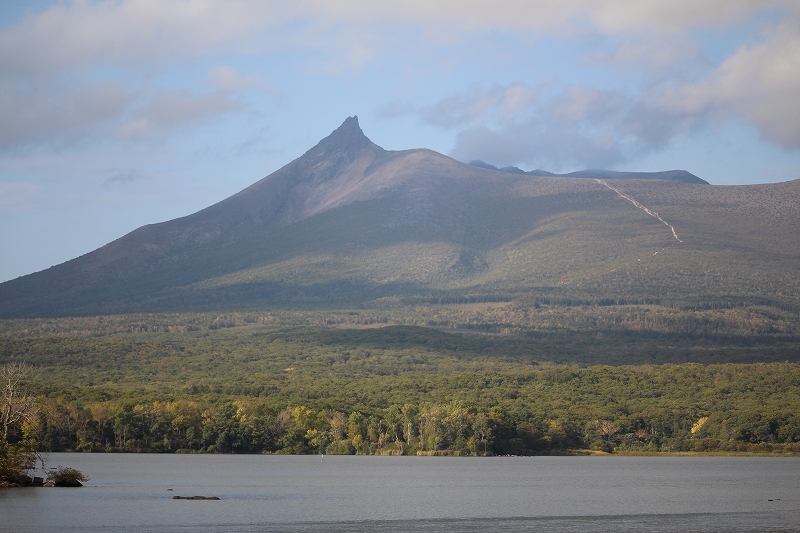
349 126
346 138
413 223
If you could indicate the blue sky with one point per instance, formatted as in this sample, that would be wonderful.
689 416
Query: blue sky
119 114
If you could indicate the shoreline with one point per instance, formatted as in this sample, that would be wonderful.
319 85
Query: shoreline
557 453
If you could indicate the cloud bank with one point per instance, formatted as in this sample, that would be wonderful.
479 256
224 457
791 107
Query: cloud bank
85 71
582 127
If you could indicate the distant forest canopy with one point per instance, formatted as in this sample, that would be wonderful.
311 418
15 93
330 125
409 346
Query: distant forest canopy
445 313
462 379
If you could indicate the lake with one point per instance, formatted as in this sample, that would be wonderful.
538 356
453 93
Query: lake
412 494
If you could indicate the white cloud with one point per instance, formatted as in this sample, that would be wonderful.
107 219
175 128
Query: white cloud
515 124
226 79
62 113
577 128
578 104
84 71
50 62
345 54
514 99
760 83
616 16
611 16
533 144
167 110
657 57
503 102
80 34
478 105
582 126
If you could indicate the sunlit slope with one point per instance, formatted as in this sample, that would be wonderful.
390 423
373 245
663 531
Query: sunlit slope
579 242
740 244
586 244
351 223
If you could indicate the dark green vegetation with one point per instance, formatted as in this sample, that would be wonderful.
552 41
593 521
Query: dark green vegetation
17 459
64 476
361 300
247 382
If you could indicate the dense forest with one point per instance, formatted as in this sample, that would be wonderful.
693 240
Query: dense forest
465 379
648 408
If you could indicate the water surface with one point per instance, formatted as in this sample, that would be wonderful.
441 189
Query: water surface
419 494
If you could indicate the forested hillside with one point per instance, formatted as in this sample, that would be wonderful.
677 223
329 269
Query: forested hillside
351 382
360 300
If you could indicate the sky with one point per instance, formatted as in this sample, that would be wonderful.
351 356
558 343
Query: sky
117 114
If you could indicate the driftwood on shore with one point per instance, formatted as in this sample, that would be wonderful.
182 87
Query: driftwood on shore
195 498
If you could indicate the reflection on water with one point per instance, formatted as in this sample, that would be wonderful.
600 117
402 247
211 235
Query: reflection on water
425 494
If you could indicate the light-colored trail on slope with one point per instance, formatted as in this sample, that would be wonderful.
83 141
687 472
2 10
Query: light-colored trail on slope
640 206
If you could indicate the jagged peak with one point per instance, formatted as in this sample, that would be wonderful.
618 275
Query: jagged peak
346 138
349 127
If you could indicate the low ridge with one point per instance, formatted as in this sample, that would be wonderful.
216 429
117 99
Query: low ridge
594 173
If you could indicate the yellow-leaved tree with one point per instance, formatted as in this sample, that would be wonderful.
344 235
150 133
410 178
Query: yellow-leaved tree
17 406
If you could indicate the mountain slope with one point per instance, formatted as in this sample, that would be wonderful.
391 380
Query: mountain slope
349 222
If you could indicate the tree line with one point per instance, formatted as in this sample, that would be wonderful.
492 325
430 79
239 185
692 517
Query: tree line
18 449
453 428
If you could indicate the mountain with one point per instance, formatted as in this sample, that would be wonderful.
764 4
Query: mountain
593 173
349 223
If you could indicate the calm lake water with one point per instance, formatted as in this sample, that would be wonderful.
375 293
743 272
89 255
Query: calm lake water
419 494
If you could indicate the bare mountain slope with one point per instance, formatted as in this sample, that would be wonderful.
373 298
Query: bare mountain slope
593 173
351 222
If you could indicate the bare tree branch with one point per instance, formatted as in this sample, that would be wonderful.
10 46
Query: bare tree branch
16 404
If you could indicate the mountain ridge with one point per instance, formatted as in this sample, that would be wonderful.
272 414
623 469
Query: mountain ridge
351 222
596 173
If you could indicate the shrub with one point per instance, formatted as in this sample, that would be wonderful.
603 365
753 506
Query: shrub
16 461
63 476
